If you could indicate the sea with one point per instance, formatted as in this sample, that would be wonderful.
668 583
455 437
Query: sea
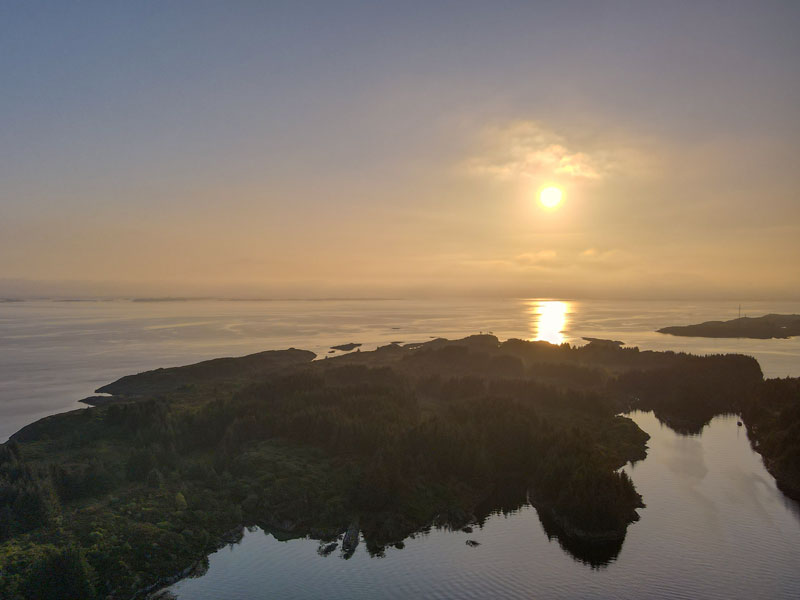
715 524
53 353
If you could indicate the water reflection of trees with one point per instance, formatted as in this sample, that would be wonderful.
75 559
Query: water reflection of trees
597 553
513 497
374 443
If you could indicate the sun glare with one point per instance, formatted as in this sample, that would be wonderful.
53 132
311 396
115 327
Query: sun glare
550 320
550 197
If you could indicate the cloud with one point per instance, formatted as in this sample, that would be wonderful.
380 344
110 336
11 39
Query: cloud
533 261
533 258
594 255
528 149
527 261
571 263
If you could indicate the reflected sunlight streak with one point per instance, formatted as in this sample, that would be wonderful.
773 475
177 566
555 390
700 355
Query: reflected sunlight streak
549 320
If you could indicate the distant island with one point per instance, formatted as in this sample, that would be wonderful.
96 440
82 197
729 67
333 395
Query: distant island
762 328
602 342
346 347
120 499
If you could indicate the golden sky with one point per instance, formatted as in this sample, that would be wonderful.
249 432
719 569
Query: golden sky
192 148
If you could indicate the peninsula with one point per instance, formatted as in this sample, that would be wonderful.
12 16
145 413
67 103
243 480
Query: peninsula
119 499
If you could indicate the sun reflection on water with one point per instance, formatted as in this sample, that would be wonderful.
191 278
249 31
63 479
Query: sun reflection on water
549 320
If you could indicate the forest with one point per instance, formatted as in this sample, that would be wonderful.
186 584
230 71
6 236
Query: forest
115 500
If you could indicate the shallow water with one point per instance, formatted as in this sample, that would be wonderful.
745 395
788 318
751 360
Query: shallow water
715 526
54 353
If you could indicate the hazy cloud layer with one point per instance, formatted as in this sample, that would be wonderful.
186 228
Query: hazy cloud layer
528 149
397 148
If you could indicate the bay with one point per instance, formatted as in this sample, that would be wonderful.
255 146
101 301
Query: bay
715 527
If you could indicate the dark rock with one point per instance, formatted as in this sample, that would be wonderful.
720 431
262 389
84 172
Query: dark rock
327 549
350 540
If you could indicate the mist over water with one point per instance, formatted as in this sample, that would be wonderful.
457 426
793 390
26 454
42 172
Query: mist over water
53 353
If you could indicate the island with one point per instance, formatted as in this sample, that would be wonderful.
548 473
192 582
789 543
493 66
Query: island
762 328
346 347
120 499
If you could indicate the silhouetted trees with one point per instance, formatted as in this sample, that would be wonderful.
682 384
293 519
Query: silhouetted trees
689 393
60 574
27 498
395 439
773 421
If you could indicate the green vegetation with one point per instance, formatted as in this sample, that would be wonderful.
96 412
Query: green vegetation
773 424
692 390
119 498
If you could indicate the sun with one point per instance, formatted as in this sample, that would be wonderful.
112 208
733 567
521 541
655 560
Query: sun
550 197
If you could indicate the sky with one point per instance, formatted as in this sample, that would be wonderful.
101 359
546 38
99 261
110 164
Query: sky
284 149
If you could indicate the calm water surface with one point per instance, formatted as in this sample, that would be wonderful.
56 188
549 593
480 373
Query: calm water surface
715 526
54 353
